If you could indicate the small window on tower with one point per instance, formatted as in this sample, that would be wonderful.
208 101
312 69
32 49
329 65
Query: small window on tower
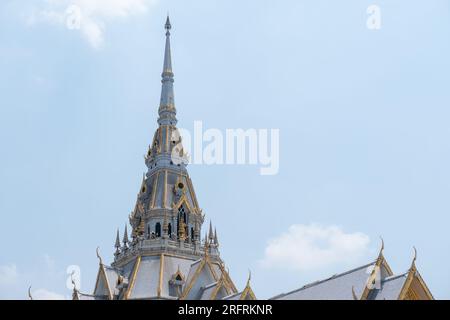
158 230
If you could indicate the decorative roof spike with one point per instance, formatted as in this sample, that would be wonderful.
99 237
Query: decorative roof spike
168 26
413 264
211 234
167 112
98 256
117 244
125 236
73 281
382 245
29 293
249 277
216 242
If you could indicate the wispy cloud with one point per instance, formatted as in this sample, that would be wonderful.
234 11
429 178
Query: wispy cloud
8 274
90 17
311 247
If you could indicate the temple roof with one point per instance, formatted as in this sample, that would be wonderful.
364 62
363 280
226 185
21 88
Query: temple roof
157 277
372 281
337 287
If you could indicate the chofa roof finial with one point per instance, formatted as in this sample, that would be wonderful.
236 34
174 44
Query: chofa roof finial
29 293
98 256
413 264
73 281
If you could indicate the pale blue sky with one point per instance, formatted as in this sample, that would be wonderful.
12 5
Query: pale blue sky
363 118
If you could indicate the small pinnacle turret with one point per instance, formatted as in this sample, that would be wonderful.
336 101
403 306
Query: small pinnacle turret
117 244
125 237
216 241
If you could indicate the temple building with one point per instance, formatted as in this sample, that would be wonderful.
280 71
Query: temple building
164 256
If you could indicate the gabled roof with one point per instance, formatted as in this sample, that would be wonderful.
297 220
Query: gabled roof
337 287
373 281
203 273
389 289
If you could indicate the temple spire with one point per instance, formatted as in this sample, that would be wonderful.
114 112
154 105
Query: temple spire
167 111
117 244
216 241
125 240
211 234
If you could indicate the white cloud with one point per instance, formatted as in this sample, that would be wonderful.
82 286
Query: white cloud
311 247
90 17
44 294
8 274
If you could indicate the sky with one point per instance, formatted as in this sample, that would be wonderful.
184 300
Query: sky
362 116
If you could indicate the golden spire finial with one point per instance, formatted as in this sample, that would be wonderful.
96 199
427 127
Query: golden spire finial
249 277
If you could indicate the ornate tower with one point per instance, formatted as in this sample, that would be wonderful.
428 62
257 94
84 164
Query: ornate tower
166 216
165 257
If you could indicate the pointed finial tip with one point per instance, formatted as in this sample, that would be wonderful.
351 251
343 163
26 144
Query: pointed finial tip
168 26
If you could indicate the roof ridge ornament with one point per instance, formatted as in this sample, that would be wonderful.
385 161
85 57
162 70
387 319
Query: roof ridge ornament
73 281
29 293
382 246
98 256
413 263
249 277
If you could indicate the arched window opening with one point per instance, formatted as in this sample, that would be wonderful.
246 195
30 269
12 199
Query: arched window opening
158 230
169 229
192 234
